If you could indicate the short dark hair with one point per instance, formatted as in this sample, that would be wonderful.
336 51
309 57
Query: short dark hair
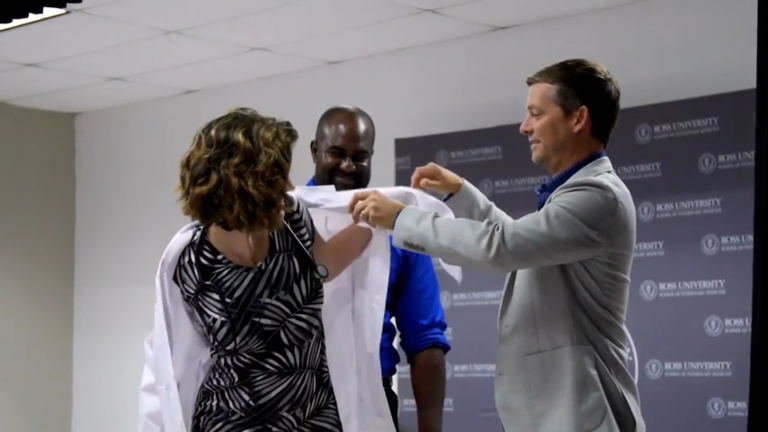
580 82
236 173
343 114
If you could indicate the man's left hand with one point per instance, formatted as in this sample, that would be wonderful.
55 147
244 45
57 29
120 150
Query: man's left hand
375 209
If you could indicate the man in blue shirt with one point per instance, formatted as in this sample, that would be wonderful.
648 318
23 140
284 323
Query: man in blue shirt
342 152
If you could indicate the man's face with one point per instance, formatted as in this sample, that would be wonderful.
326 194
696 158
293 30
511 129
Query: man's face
342 158
548 129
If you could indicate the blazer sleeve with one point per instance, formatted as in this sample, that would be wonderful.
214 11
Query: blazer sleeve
150 415
573 226
470 203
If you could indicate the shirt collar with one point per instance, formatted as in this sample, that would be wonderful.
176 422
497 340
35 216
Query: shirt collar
311 182
558 180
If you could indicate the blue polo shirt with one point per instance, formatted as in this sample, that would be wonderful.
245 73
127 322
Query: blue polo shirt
545 190
418 312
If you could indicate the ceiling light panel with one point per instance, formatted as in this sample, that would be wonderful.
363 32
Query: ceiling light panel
97 96
160 52
66 36
29 81
300 21
47 13
415 30
173 15
228 70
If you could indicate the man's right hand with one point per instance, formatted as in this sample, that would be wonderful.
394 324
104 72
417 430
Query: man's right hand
435 178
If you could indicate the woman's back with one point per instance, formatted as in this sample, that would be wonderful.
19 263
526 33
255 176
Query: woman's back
264 327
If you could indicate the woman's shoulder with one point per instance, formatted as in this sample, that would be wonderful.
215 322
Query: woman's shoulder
296 210
300 222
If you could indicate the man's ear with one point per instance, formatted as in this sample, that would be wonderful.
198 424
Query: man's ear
580 119
313 150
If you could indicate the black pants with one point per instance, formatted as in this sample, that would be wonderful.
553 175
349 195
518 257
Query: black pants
392 399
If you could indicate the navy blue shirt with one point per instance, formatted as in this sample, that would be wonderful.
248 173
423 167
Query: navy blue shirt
418 311
545 190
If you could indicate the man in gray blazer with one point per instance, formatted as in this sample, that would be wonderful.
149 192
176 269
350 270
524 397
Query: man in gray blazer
562 357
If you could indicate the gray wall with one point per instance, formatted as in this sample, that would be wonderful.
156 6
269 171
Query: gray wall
37 232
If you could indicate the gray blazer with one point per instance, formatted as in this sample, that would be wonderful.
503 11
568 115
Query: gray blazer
562 356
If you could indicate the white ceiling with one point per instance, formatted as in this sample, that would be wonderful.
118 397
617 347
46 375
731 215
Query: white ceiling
115 52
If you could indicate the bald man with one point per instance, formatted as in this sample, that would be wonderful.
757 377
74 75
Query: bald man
342 153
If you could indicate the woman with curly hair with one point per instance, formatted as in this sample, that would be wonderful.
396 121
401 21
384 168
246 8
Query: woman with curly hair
250 270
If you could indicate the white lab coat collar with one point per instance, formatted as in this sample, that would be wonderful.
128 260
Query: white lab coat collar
177 356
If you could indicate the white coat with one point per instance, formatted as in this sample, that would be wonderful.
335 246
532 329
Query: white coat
177 357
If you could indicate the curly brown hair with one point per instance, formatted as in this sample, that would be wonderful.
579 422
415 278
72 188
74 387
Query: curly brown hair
235 174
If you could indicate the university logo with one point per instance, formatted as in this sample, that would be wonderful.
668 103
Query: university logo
446 299
644 134
707 163
448 404
448 370
654 369
632 360
710 244
649 290
646 212
486 187
714 326
716 408
443 158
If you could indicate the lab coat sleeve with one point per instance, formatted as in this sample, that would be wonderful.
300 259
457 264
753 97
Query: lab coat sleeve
150 415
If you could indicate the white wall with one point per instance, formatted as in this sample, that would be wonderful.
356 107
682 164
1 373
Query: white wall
127 158
37 245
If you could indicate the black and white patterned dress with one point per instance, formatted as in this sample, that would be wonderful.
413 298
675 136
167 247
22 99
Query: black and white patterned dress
264 327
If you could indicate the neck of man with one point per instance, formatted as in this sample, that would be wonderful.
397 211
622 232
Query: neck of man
577 153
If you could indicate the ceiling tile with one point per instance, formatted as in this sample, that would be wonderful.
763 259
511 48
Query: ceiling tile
65 36
30 80
180 14
421 29
228 70
87 4
97 96
300 21
4 66
432 4
512 13
148 55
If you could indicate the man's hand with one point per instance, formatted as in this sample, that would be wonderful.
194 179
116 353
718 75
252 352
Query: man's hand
375 209
436 178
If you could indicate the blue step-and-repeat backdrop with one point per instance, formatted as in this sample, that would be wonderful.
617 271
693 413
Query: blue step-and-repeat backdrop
690 167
